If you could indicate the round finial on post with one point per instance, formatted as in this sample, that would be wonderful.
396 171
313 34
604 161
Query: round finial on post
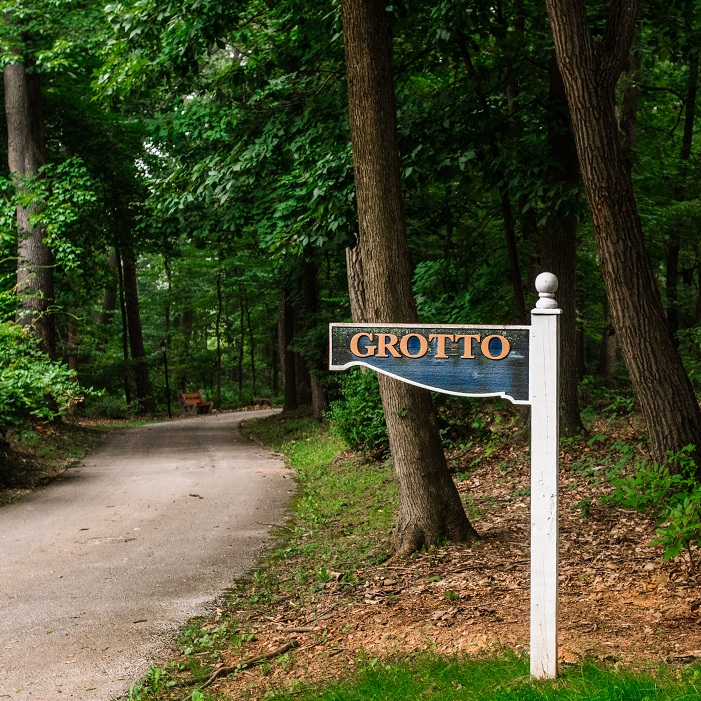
546 285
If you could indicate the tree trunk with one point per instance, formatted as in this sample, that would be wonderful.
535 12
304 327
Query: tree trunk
169 301
674 240
26 154
251 341
217 334
590 70
144 393
628 114
560 247
310 303
126 375
429 504
109 301
356 285
285 335
242 343
274 365
609 355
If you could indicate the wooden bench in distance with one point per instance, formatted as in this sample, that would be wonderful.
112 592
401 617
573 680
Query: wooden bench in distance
192 403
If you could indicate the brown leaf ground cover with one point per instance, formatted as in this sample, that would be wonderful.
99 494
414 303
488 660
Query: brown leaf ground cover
619 602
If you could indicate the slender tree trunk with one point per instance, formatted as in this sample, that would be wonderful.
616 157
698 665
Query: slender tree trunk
169 303
109 301
429 504
242 343
285 334
560 247
126 375
674 240
109 304
275 362
628 114
252 344
590 71
310 302
26 154
144 392
217 334
72 342
609 355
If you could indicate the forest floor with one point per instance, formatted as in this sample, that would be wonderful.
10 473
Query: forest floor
619 602
42 452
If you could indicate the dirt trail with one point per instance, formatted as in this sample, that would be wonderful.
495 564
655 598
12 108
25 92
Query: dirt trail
98 570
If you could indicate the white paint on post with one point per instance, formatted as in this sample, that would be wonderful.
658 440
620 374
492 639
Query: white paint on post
545 457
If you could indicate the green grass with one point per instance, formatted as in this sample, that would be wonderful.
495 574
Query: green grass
343 508
503 679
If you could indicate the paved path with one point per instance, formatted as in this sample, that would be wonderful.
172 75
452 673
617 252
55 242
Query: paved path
99 570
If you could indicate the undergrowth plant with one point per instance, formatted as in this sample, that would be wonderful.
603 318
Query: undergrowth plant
358 417
672 494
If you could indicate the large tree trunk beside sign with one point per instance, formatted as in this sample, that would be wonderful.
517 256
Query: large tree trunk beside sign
429 504
590 70
26 154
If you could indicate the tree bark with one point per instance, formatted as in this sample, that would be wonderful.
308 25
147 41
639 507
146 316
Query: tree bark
109 301
310 302
429 504
628 114
252 349
242 343
274 364
26 154
674 240
559 246
217 332
356 285
590 70
144 392
126 374
285 335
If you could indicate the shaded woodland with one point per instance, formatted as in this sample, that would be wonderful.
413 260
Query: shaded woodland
229 178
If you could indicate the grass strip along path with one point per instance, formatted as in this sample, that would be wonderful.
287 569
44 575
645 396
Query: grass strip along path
329 617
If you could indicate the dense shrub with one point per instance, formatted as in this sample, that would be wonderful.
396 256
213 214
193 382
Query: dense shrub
31 384
358 417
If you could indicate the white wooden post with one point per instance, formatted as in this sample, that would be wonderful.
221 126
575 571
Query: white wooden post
545 453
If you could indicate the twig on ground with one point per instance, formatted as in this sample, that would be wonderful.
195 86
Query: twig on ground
323 613
299 629
275 525
223 671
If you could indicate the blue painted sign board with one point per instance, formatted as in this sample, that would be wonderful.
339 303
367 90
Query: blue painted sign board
467 361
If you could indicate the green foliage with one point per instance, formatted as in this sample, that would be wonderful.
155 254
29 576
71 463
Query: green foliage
59 196
31 384
358 417
672 494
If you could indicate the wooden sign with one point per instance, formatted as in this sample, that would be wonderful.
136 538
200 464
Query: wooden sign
519 363
468 361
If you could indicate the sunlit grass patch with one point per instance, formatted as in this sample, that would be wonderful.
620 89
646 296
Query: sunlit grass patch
497 679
